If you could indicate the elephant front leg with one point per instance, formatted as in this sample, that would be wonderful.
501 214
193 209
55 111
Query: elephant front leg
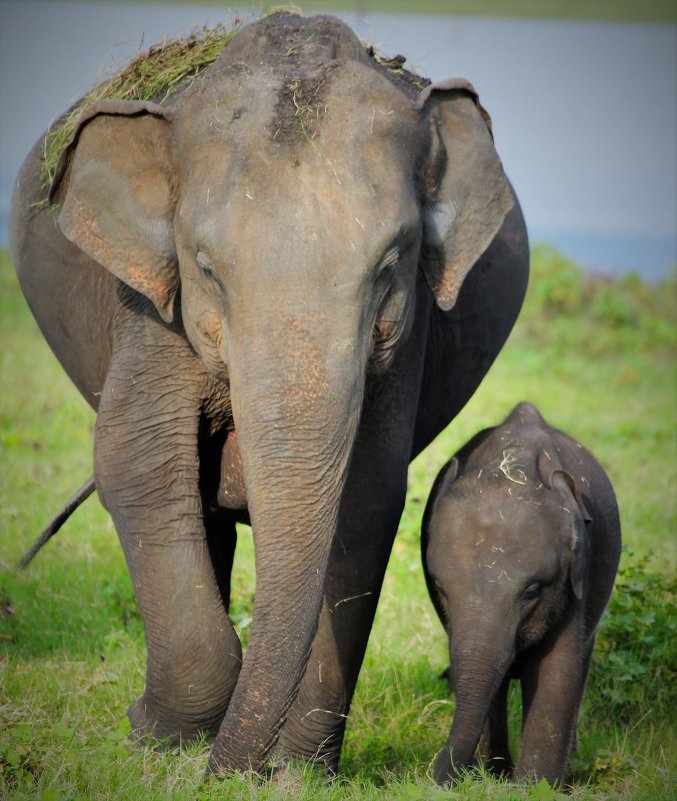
494 744
316 724
370 512
552 685
147 476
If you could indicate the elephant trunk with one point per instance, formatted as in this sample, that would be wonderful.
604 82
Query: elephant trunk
296 417
478 668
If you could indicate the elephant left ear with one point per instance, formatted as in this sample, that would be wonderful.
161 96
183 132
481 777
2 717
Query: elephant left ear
468 194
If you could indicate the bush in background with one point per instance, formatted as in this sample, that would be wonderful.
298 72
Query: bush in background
567 307
634 667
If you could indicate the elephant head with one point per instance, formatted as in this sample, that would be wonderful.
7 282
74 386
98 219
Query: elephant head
505 552
290 210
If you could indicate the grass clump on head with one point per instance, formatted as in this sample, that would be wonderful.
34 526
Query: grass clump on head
160 70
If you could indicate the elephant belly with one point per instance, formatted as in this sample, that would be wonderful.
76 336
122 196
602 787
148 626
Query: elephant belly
232 493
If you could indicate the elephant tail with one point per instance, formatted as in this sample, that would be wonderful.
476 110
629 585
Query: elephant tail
80 496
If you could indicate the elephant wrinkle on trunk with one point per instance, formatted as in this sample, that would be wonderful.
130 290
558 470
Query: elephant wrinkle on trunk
520 545
293 269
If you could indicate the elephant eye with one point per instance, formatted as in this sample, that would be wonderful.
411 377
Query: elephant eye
532 591
205 267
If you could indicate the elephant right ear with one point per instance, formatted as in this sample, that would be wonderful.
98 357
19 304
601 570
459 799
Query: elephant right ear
554 476
114 184
468 194
558 479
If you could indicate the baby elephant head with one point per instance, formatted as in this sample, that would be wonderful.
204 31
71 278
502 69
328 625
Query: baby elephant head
504 553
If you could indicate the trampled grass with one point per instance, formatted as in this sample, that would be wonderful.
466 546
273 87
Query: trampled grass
598 359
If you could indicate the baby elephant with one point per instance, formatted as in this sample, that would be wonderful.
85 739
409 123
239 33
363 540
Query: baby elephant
521 542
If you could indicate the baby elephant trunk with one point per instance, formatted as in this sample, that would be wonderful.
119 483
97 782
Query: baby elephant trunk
477 671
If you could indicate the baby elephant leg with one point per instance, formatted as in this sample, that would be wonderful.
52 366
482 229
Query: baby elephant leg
552 686
494 744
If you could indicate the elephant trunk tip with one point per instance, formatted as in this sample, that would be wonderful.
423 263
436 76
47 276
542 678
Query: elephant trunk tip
448 769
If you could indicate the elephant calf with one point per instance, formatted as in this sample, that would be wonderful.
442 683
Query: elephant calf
521 542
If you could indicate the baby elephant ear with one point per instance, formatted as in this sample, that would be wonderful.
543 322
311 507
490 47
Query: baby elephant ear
554 477
114 185
563 482
579 562
468 194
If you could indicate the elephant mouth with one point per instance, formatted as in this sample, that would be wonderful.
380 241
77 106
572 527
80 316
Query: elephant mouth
211 348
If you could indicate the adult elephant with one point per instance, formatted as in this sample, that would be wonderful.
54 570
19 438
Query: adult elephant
276 286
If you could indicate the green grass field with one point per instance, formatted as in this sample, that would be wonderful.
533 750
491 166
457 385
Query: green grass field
597 357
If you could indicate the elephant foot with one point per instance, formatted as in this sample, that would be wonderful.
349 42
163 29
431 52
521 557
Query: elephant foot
312 741
164 728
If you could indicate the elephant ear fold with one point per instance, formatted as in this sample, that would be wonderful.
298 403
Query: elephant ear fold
114 184
467 194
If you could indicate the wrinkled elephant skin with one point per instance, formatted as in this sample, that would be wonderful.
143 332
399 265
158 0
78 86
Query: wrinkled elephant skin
276 285
521 542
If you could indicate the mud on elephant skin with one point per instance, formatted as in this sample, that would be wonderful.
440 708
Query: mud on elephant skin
520 544
276 285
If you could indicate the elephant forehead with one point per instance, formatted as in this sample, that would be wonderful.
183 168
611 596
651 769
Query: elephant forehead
344 120
490 518
343 205
499 541
339 190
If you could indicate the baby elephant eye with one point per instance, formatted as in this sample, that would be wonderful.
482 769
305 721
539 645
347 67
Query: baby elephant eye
532 591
